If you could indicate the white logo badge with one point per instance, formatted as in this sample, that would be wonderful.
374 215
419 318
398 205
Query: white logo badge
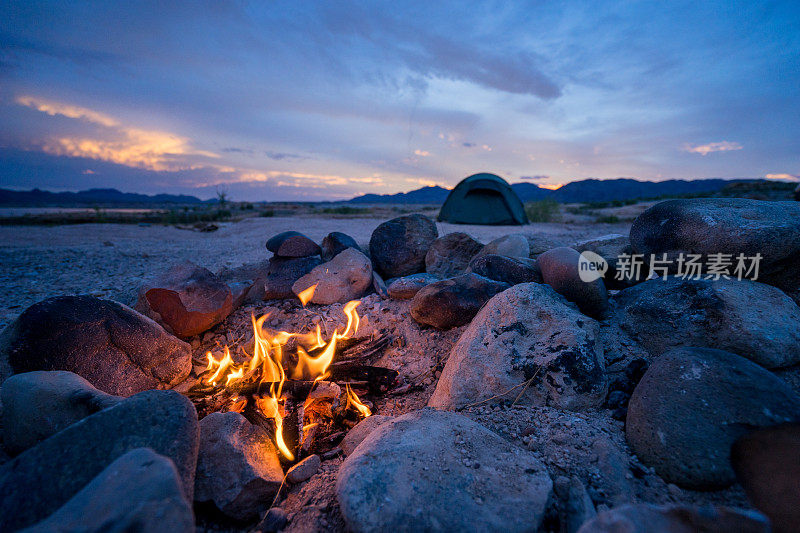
591 266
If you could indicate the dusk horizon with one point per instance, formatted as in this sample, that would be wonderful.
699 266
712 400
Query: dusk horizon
329 102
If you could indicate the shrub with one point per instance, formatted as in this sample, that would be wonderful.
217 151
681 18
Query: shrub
543 211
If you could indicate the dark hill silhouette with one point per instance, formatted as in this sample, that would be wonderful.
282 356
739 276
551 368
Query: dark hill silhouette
583 191
38 197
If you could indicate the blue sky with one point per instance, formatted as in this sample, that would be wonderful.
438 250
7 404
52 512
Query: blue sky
317 101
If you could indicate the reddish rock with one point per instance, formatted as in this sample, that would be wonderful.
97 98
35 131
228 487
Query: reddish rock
188 300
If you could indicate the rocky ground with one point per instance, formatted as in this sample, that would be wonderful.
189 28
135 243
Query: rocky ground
526 396
112 260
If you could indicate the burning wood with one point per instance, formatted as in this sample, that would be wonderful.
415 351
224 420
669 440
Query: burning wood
286 380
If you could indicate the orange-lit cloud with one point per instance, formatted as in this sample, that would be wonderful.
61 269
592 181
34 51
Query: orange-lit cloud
422 153
783 177
705 149
121 144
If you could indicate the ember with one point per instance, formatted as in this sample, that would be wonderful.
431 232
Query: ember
258 385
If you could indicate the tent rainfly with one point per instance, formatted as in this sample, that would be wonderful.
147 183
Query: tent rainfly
483 199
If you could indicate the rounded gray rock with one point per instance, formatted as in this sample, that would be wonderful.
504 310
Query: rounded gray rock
360 431
39 404
748 318
41 479
337 242
116 349
690 407
450 254
140 491
648 518
407 287
398 246
238 468
560 270
439 471
511 270
345 277
453 302
728 226
527 333
292 244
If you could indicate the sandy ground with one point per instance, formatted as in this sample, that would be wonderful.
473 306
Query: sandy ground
112 260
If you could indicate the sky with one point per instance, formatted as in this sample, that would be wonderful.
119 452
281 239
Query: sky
274 101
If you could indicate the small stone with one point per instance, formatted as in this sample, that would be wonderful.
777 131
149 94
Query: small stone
335 243
346 277
274 521
292 244
450 254
304 469
511 270
406 287
513 245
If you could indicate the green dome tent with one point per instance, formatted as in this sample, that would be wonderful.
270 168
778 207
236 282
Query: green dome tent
483 199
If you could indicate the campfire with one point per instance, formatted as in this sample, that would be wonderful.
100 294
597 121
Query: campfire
289 383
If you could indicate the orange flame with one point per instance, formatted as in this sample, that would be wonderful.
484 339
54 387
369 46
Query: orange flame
306 295
268 355
355 402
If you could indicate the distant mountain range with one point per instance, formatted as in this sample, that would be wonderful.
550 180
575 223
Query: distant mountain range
589 190
38 197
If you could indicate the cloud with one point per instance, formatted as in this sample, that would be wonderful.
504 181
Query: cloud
280 156
783 177
537 177
705 149
116 143
422 153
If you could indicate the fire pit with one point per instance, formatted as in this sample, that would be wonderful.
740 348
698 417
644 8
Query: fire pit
290 384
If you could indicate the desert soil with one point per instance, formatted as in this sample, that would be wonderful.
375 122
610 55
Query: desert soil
112 260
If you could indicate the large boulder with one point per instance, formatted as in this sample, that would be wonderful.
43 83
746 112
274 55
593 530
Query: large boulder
453 302
407 287
767 465
140 491
745 317
398 246
560 269
292 244
693 403
649 518
725 226
337 242
188 300
439 471
238 468
511 270
39 404
345 277
450 254
41 479
281 274
116 349
528 342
